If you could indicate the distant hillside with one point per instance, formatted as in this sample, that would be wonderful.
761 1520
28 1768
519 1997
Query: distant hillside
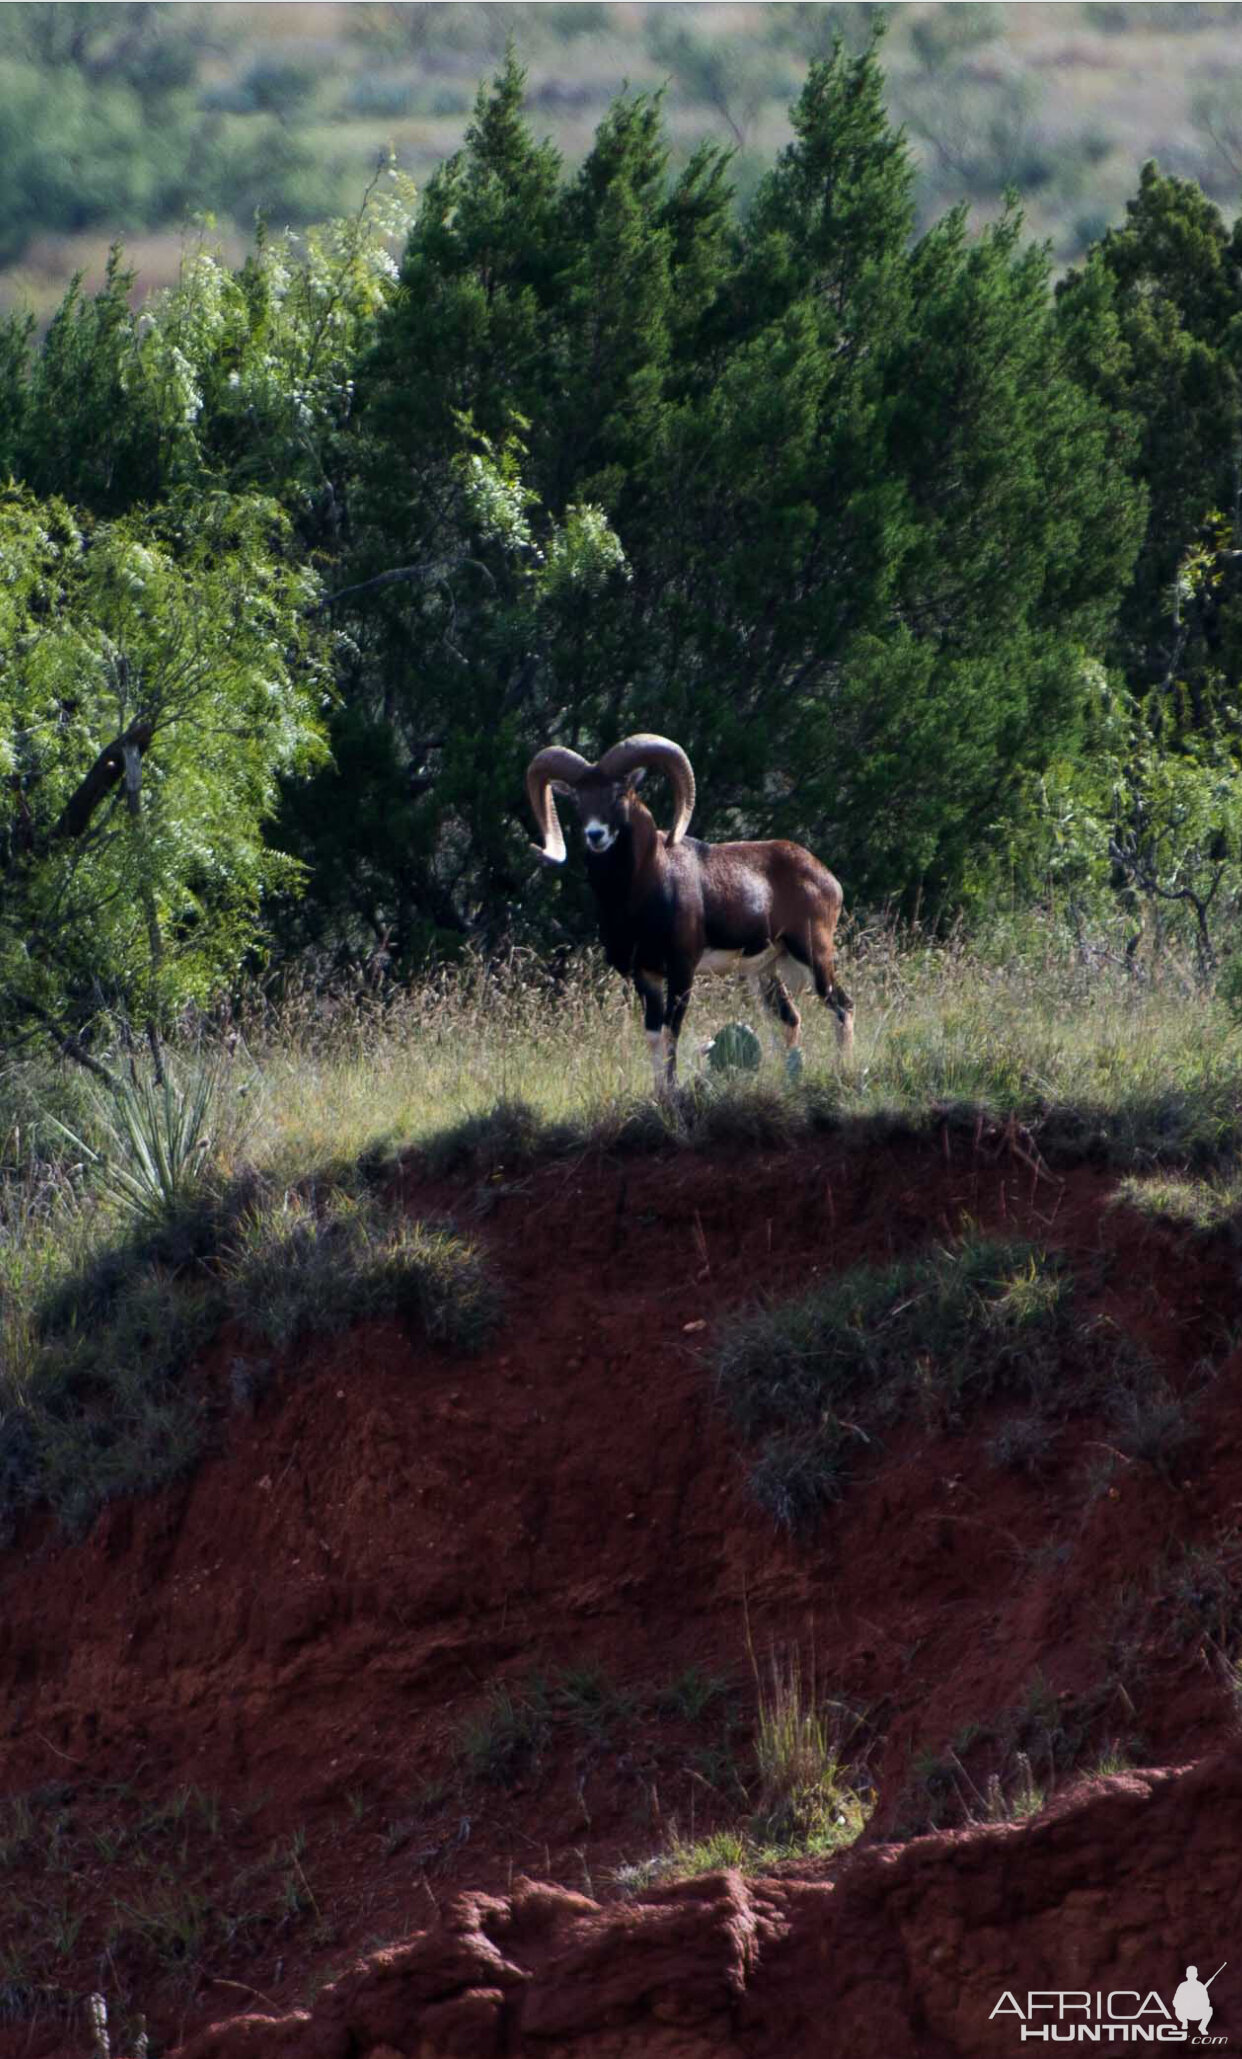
129 120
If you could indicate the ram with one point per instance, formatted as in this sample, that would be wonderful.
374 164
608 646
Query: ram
671 906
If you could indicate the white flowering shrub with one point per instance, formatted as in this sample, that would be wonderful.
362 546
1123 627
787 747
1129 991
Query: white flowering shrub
273 347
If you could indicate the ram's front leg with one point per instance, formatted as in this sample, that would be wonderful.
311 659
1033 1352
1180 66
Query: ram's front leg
651 989
677 1000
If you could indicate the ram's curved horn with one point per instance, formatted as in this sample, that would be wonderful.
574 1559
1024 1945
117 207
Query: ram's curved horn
661 754
554 763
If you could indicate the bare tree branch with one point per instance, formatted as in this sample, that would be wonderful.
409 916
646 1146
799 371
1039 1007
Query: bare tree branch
71 1046
105 773
429 572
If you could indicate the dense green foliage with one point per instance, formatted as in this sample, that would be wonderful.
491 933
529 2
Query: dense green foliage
871 528
156 681
925 566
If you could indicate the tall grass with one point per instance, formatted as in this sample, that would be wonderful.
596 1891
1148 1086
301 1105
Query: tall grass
1145 1072
1147 1069
808 1784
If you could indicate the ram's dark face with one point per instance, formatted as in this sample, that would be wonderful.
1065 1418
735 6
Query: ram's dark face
604 807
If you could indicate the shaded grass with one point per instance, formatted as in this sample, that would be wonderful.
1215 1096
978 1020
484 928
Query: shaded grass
107 1412
298 1263
508 1736
1004 1769
819 1379
691 1694
1023 1445
806 1792
100 1405
1200 1591
1152 1423
504 1738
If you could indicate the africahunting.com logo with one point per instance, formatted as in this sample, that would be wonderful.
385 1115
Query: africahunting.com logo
1116 2016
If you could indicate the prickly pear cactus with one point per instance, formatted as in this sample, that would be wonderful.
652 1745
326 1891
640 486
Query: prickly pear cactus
735 1048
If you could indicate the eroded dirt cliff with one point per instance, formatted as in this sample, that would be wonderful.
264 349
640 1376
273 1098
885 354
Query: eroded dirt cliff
299 1635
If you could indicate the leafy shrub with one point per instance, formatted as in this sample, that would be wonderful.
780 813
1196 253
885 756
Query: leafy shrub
276 86
1229 984
1130 17
444 101
945 35
256 166
374 93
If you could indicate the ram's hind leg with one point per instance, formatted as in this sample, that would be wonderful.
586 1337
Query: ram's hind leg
778 1001
817 956
834 996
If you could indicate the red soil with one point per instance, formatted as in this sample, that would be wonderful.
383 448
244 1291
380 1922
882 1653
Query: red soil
303 1629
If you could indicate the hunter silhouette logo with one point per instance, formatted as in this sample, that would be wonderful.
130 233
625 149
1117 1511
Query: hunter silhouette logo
1192 2002
1122 2016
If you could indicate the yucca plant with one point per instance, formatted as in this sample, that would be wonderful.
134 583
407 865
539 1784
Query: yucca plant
158 1137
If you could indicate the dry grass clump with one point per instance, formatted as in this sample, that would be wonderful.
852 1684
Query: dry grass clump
810 1795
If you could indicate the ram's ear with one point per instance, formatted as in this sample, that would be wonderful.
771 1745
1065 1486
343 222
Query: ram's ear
563 788
633 780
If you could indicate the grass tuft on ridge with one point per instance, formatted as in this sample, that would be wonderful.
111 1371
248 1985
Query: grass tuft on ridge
820 1378
298 1263
98 1404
